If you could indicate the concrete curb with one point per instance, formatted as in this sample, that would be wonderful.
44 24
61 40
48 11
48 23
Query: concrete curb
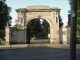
13 46
38 45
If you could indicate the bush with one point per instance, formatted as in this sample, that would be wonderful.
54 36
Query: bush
78 39
2 42
41 35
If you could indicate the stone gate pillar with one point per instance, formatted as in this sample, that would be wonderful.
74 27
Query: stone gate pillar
65 35
7 35
54 37
51 35
25 35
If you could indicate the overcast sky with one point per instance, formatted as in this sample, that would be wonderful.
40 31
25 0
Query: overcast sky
62 4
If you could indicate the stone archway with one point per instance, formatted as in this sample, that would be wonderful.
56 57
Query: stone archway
49 14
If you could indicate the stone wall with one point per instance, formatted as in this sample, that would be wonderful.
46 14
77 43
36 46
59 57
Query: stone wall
18 37
66 35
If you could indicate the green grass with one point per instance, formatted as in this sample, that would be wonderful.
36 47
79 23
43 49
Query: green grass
39 40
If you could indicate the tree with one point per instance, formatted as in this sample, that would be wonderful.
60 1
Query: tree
4 16
78 17
34 27
60 21
45 29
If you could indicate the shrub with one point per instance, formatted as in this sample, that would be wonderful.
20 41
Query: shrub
78 39
2 42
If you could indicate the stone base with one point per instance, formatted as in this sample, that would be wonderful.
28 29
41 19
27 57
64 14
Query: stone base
54 41
7 43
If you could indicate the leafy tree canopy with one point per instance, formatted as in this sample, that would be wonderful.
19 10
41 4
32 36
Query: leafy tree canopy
4 14
4 17
78 17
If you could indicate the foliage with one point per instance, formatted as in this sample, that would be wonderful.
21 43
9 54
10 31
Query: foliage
2 42
15 28
78 17
41 35
38 30
4 16
60 21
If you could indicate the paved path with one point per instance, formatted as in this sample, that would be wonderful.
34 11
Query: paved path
37 45
37 53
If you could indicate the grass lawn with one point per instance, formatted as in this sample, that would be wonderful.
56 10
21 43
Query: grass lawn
40 41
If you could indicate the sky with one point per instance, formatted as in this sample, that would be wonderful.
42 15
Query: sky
62 4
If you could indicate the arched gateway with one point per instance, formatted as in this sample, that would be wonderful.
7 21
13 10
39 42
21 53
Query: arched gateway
51 15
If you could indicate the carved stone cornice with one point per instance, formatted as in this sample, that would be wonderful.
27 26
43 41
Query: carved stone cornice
37 8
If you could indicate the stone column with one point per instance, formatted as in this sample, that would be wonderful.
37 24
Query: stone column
68 34
51 35
25 34
61 35
54 37
7 35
